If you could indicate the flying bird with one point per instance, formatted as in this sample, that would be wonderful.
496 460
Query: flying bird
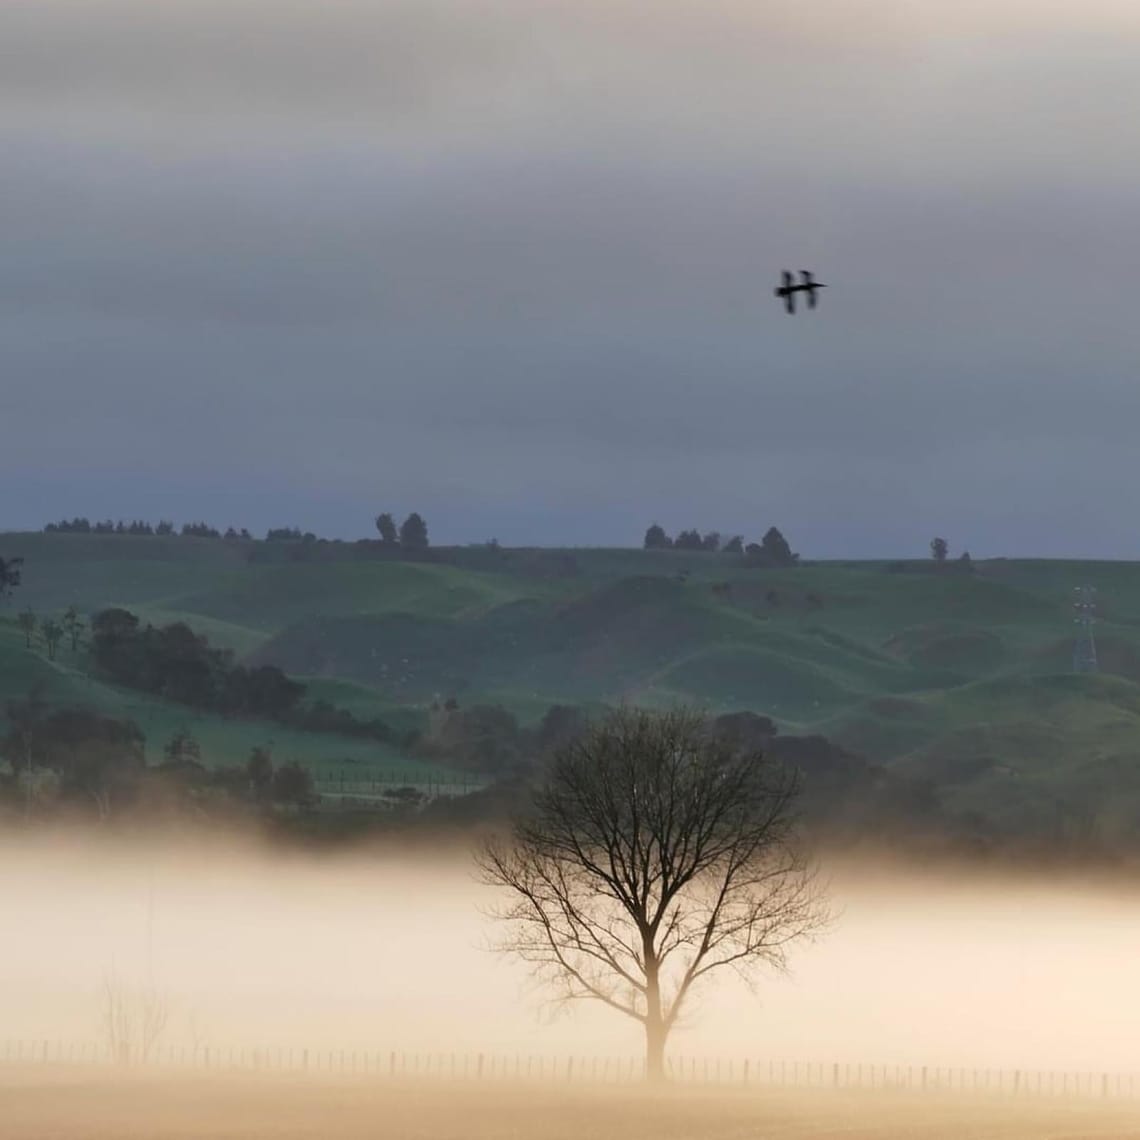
807 285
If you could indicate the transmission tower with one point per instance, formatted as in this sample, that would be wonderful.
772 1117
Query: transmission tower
1084 647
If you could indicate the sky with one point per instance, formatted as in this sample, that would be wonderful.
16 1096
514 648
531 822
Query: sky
510 264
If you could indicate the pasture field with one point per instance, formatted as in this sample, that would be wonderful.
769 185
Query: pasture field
37 1103
964 680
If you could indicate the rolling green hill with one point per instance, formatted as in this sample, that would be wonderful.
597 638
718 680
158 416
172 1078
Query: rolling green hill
961 679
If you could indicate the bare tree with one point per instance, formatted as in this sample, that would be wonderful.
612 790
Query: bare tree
656 852
132 1022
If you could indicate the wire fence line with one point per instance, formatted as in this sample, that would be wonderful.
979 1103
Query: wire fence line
485 1066
382 783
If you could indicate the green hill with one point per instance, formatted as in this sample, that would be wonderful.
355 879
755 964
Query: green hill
963 679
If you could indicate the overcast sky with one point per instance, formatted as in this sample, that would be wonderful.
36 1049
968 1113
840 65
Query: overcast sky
510 263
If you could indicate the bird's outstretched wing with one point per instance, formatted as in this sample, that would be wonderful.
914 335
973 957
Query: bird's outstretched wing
790 302
787 279
805 276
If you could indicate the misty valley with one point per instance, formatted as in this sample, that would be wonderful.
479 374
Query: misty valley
568 570
364 815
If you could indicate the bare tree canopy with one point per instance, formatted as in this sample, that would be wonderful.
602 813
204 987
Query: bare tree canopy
656 853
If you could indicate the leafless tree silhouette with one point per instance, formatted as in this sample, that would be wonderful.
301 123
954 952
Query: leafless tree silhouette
656 852
132 1022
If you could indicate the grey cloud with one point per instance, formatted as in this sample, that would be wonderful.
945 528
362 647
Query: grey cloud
513 264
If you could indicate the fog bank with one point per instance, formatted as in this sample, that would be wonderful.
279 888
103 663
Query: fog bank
384 953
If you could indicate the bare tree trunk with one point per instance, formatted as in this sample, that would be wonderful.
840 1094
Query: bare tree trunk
28 771
655 1030
655 1036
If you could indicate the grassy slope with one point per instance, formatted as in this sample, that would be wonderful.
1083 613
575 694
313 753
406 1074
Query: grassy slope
66 681
963 679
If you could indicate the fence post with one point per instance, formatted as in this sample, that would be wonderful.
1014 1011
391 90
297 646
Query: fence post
479 1068
924 1076
835 1074
745 1077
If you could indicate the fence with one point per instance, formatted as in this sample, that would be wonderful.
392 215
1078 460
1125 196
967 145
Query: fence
348 788
742 1073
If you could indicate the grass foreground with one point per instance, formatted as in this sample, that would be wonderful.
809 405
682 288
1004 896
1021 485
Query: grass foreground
40 1102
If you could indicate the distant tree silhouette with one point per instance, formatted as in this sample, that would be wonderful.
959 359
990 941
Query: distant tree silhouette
657 539
22 747
711 541
73 625
9 576
483 738
66 526
293 785
179 665
95 758
939 548
27 622
164 527
259 768
413 532
688 540
386 525
560 726
735 545
776 550
52 633
182 748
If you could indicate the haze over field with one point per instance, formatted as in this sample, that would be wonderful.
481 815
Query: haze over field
385 953
414 479
512 265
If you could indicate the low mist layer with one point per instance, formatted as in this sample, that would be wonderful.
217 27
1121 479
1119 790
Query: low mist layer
388 953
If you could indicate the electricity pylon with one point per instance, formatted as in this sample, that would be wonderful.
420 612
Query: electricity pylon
1084 647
